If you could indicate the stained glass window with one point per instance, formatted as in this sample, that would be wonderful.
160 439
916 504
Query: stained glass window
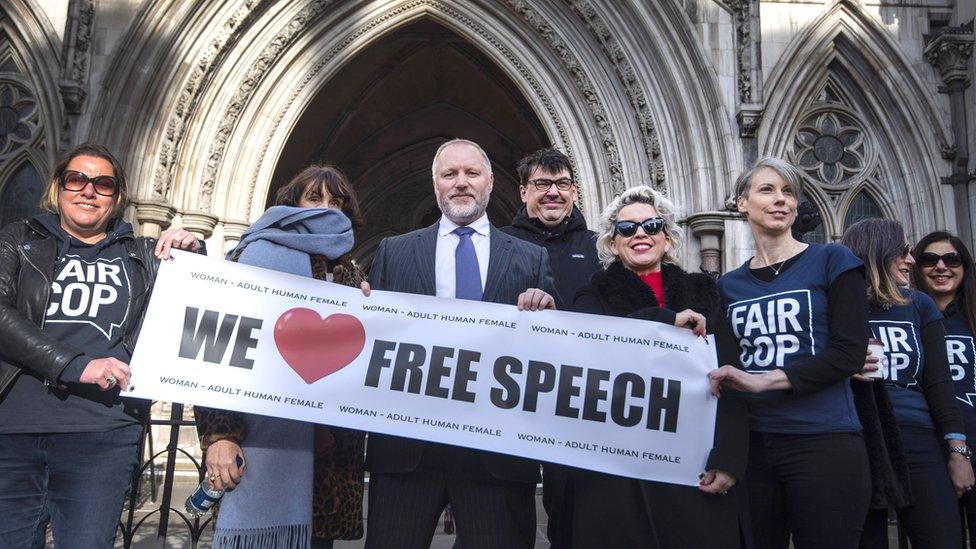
863 207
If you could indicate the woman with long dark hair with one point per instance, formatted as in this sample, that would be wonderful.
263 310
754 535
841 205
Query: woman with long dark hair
304 482
916 375
944 270
799 314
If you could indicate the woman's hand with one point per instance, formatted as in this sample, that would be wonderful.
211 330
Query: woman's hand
365 287
222 468
691 320
740 380
177 238
716 482
106 373
871 365
961 474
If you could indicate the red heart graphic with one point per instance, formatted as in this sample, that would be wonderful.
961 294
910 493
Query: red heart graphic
315 347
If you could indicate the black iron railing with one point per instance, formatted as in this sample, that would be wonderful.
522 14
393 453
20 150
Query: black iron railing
154 504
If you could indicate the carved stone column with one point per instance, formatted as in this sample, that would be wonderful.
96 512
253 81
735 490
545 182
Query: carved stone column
748 59
200 223
949 51
76 54
153 217
232 233
709 227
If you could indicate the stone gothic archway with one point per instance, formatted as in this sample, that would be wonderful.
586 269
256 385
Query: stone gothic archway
381 117
204 137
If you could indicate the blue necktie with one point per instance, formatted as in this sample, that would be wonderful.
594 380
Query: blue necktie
467 275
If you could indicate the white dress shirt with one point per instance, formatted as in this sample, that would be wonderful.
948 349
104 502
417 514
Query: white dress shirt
447 242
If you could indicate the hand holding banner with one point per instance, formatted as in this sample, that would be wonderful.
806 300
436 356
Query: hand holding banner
622 396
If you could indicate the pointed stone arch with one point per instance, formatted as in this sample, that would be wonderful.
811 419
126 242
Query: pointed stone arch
202 137
28 66
847 62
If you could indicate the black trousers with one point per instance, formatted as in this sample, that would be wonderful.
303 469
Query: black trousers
815 488
967 510
489 513
932 521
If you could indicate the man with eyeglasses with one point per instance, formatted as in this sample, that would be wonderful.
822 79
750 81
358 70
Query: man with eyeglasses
550 219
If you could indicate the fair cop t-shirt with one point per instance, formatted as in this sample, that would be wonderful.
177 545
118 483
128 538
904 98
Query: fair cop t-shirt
786 320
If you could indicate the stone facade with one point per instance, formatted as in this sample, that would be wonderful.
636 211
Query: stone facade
873 99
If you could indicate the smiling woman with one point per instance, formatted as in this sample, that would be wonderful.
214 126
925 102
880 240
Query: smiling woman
74 282
919 384
640 279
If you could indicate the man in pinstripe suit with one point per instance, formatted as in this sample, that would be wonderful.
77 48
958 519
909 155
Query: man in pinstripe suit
492 495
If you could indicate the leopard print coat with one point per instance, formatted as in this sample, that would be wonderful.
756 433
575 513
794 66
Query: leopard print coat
337 496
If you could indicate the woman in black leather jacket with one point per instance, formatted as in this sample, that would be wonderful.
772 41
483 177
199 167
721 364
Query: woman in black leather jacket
74 283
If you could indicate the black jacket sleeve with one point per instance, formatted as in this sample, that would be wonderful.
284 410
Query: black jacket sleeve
22 342
936 382
731 447
846 347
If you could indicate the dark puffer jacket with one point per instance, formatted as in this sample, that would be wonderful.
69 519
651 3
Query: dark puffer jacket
571 247
27 255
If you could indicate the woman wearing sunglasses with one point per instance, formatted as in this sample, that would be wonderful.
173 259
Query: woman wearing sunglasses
917 378
74 282
640 279
944 270
799 314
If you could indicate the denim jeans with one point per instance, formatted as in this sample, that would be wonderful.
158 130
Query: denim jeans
932 521
77 480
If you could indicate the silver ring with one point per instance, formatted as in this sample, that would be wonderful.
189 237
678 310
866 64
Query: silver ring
112 382
724 492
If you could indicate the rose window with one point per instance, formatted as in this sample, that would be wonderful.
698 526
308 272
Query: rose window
829 147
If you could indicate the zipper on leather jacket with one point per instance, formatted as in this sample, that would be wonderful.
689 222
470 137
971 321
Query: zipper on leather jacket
47 281
47 297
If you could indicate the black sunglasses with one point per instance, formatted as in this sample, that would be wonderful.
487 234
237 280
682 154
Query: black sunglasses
929 259
626 229
104 185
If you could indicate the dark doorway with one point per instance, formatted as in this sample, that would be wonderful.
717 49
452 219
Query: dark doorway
383 115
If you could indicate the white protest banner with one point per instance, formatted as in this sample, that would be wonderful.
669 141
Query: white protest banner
621 396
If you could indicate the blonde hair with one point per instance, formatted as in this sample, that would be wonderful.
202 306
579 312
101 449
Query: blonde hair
638 195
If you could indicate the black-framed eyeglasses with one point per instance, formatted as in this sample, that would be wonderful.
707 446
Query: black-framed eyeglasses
950 260
104 185
627 229
543 185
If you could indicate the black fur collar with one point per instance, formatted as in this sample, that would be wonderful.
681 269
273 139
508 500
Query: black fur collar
624 292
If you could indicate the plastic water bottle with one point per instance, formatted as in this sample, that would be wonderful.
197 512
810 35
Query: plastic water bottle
204 497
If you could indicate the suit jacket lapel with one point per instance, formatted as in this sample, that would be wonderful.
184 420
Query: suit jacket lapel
426 246
499 256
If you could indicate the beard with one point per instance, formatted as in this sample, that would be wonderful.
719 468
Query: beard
463 213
